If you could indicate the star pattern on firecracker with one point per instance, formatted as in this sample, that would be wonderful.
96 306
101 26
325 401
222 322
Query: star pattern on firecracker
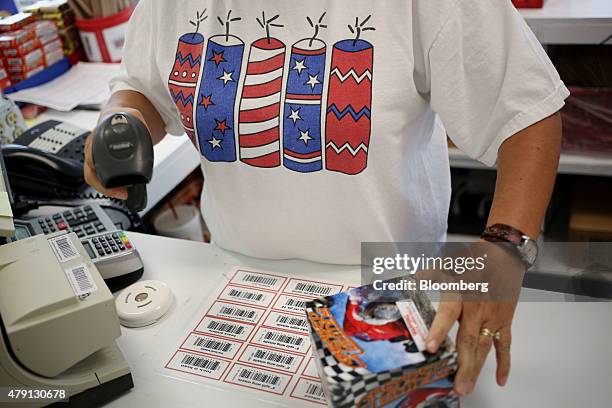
313 80
206 101
299 66
294 115
222 126
215 142
305 136
217 57
226 77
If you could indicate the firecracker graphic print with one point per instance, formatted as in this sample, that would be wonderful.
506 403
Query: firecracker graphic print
259 116
183 78
217 94
302 150
349 101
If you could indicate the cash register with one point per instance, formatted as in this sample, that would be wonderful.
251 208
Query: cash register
58 320
110 249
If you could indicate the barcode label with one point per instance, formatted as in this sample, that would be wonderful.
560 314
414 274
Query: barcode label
276 359
80 279
309 390
311 369
253 297
232 311
63 248
258 280
317 289
211 345
257 378
286 341
289 303
204 366
238 331
279 320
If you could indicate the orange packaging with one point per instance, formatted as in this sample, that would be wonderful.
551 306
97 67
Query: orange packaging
22 49
23 76
30 60
15 38
5 81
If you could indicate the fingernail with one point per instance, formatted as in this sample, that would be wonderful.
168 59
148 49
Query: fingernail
465 387
503 380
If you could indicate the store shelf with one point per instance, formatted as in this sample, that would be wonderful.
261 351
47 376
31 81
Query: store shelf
571 21
569 163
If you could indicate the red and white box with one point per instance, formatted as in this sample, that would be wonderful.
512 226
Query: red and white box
16 21
43 28
15 38
22 49
5 81
25 75
30 60
53 57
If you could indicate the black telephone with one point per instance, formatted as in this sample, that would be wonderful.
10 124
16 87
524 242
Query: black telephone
47 160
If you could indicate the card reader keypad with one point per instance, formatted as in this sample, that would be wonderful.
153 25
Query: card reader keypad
109 244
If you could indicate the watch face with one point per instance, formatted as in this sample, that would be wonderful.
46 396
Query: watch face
528 250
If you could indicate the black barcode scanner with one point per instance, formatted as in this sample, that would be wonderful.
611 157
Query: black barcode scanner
122 152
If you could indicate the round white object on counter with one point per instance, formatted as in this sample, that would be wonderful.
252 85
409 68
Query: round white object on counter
143 303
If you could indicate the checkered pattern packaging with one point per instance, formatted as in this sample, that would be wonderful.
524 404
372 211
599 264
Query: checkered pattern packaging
369 353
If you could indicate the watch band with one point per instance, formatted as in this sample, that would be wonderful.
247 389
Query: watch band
502 233
526 248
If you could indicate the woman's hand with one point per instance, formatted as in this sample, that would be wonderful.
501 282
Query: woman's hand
481 315
472 346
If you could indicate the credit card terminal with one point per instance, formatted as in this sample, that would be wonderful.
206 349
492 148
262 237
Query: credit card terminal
115 256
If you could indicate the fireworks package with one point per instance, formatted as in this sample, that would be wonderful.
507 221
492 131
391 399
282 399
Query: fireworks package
369 347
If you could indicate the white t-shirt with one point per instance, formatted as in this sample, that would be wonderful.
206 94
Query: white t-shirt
330 130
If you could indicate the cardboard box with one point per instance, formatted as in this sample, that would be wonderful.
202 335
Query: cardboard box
15 38
16 21
22 49
52 46
28 61
54 56
369 348
15 78
591 216
5 81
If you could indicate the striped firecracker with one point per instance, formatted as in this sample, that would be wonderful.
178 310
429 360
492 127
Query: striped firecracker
183 78
302 111
348 125
259 117
217 97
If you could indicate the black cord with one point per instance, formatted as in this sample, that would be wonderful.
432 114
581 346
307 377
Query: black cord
606 40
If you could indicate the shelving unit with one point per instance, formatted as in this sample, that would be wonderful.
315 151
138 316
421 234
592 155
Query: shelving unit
564 22
569 164
571 21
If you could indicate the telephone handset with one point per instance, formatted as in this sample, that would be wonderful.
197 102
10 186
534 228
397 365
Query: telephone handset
47 159
35 172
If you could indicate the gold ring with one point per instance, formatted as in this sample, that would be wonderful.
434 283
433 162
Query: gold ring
488 332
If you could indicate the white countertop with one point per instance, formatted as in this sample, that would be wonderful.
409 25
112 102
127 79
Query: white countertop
561 351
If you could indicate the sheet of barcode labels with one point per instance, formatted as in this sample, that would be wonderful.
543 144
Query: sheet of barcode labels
253 334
